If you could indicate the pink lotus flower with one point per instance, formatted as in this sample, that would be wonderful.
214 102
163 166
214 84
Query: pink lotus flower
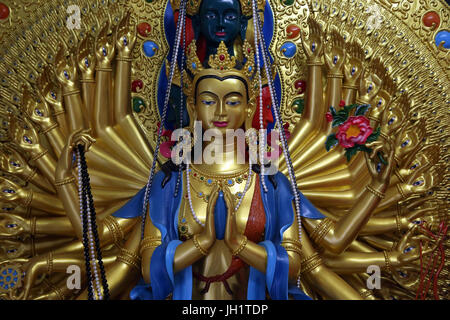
355 130
165 148
342 103
329 117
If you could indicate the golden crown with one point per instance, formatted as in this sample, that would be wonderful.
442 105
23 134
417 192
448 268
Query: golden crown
193 6
220 64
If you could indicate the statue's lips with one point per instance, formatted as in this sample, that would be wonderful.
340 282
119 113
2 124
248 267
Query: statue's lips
220 34
220 124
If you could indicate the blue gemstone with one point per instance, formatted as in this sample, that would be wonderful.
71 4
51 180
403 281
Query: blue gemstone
353 70
443 36
183 220
4 272
209 181
6 287
15 274
335 59
86 62
230 181
250 68
125 42
104 51
200 194
288 49
66 75
194 65
8 278
1 277
12 285
150 48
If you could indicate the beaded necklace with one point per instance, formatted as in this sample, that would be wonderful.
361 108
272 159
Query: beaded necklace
209 181
91 242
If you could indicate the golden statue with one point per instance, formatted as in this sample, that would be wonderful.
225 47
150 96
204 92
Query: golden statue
87 114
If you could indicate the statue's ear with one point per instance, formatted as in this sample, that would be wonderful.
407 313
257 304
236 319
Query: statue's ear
196 26
244 23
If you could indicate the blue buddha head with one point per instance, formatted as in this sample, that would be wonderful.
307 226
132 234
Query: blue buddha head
220 20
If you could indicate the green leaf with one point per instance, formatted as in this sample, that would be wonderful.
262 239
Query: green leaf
333 111
350 152
361 147
350 108
374 136
338 120
331 142
362 109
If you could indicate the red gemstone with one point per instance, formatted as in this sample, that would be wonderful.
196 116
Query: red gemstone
222 57
221 68
292 31
137 85
249 50
195 174
300 85
4 11
144 29
431 19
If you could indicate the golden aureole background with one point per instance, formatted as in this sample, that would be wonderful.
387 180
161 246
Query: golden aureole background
67 66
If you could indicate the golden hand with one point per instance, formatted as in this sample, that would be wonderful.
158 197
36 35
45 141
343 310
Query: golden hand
369 86
50 91
208 236
12 192
25 136
380 173
86 59
419 215
392 118
233 238
409 141
407 250
335 54
13 249
12 225
38 110
423 180
13 162
429 155
313 46
77 137
353 68
104 47
126 37
33 268
66 70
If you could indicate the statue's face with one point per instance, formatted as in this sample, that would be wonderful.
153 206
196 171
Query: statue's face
221 104
220 20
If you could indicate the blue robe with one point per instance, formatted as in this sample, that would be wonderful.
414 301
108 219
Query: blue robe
164 210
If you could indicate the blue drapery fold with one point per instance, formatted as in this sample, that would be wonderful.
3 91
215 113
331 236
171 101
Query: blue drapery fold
164 208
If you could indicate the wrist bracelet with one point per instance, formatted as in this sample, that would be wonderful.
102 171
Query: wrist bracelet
62 182
375 192
50 263
197 245
241 247
387 260
397 221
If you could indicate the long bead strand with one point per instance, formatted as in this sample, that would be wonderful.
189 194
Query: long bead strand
261 119
279 122
164 114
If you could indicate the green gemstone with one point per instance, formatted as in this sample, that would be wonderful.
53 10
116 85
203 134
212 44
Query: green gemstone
202 178
149 1
299 105
183 229
138 104
288 2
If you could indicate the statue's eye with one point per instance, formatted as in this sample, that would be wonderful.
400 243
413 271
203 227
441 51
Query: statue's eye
233 103
210 16
208 102
230 17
